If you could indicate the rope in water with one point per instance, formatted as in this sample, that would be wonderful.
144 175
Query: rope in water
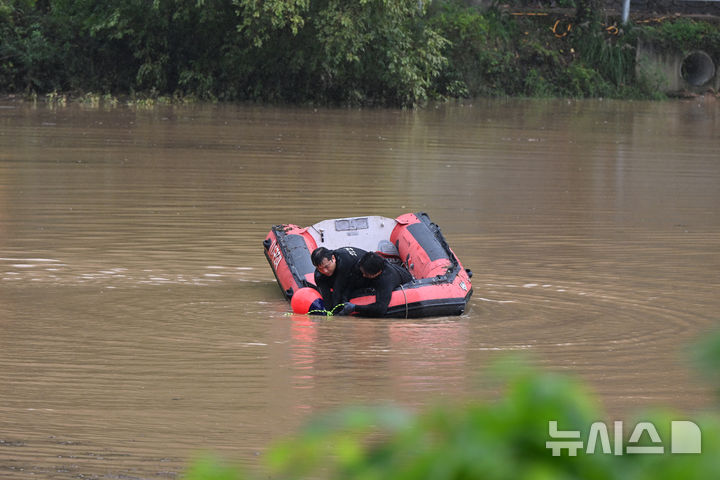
330 313
327 313
406 304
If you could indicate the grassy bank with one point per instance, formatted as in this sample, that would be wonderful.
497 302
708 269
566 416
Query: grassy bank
375 52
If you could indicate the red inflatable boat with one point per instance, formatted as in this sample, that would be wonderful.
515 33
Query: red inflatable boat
440 285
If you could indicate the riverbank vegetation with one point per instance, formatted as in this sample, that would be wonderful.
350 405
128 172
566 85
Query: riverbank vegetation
369 52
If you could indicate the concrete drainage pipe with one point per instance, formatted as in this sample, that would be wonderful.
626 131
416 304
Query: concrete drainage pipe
697 68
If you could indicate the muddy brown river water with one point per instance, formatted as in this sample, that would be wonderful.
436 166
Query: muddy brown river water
140 322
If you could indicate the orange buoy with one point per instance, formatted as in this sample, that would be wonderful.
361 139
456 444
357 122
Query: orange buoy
305 300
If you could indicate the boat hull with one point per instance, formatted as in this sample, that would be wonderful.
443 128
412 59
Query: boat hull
441 285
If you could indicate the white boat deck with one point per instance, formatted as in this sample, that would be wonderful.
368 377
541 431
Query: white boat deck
371 233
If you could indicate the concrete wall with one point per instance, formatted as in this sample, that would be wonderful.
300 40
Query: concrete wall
693 71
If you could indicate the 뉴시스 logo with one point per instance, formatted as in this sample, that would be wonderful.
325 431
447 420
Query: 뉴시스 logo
685 437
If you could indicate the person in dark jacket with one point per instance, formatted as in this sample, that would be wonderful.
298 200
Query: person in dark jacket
336 273
383 277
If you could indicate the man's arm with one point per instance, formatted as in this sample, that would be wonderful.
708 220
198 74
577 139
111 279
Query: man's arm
323 284
384 286
339 294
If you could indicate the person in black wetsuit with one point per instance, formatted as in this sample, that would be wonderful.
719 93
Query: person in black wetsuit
336 273
383 277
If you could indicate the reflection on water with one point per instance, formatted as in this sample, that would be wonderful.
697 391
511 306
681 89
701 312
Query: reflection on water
403 361
140 321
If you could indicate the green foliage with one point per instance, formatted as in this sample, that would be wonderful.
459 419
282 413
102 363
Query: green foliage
504 439
536 85
492 53
649 81
613 58
706 355
340 51
327 51
145 46
28 58
260 20
589 14
369 52
582 81
683 34
210 467
684 31
481 51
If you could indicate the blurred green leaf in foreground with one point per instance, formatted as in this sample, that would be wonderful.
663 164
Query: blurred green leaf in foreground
504 439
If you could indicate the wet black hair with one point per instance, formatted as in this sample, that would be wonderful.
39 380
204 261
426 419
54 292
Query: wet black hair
319 254
371 263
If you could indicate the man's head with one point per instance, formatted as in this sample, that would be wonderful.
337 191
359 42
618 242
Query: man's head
371 265
324 261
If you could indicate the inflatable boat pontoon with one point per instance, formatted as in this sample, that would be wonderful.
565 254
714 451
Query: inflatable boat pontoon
440 286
